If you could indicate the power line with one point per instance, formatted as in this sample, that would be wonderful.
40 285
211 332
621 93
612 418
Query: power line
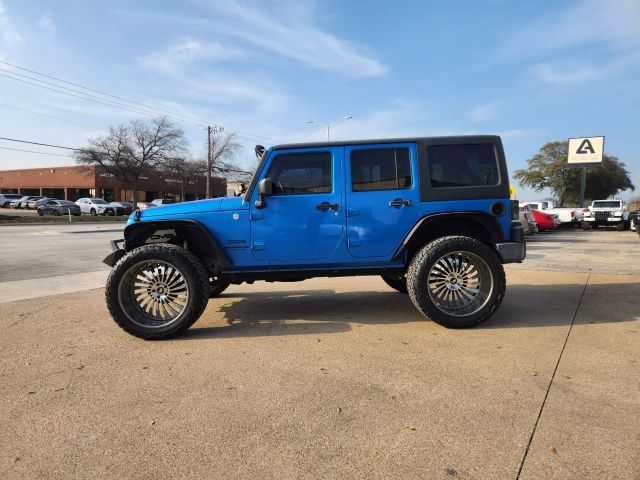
33 151
87 96
48 115
168 113
36 143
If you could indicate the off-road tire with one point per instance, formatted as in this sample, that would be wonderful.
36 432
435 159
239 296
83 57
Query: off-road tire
621 226
397 283
193 273
217 285
586 226
422 265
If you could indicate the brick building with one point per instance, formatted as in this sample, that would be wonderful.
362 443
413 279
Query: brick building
74 182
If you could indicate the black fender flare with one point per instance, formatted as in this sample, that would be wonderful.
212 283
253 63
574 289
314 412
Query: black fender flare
202 242
484 220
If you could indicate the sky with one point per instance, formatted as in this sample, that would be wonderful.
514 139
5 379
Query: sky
532 72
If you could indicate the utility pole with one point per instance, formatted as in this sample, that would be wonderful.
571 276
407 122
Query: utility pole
208 193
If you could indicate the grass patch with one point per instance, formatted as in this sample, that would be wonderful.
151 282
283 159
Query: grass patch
16 219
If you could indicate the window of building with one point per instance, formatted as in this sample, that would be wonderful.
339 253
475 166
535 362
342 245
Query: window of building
301 173
462 165
380 169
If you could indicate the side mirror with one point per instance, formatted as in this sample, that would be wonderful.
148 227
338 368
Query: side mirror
265 189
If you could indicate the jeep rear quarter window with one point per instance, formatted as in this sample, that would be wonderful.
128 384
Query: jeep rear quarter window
301 173
465 170
462 165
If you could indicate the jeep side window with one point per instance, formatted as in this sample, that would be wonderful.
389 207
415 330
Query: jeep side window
380 169
301 173
462 165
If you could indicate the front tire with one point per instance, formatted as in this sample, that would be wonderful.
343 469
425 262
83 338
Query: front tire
157 291
397 283
458 282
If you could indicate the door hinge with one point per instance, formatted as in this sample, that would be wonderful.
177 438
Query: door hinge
255 246
352 213
354 243
257 215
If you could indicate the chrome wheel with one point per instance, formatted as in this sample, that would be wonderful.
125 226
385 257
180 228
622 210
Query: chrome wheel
460 283
153 293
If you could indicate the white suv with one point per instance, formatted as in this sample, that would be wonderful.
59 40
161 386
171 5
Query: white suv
606 212
95 206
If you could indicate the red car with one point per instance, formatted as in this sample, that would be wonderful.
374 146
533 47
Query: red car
545 221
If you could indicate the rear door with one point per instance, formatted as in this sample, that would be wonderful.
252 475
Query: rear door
382 196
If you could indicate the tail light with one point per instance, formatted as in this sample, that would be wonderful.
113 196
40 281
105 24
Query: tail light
573 213
515 209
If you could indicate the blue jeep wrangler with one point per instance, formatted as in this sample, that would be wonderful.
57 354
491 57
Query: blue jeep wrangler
431 216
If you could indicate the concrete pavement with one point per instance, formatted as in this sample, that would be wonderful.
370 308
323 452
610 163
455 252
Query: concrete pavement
329 378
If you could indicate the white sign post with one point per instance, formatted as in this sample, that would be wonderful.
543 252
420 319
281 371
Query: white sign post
585 152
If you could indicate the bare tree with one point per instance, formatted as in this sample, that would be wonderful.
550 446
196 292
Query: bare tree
220 161
128 151
185 170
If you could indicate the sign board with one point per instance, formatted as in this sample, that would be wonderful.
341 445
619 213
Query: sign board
585 152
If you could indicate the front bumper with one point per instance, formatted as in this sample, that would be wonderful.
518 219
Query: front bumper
603 220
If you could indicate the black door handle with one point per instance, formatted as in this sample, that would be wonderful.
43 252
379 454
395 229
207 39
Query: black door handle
398 202
325 206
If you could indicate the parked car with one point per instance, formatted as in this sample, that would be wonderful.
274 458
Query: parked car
7 198
145 205
59 207
163 201
566 215
95 206
34 203
634 218
122 208
431 216
527 221
606 213
545 221
21 203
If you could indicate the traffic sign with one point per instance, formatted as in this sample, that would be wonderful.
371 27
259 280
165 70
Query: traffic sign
585 152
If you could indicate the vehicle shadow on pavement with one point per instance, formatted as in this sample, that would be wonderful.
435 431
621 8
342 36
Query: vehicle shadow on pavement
303 312
309 312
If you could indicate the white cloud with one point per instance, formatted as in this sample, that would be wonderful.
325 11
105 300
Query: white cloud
231 90
45 21
185 51
572 72
289 31
9 37
482 113
586 22
296 36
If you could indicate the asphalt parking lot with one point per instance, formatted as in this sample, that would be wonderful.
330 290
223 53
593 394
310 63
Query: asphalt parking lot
328 378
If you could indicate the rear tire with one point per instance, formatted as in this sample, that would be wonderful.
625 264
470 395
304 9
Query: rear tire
93 212
458 282
157 291
40 212
397 283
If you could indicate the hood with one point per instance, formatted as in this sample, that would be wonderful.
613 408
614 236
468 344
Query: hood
198 206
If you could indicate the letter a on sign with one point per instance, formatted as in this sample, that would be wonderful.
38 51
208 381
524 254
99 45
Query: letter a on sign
585 152
585 147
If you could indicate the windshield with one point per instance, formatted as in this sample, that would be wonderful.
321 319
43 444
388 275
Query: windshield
65 202
534 206
607 204
99 201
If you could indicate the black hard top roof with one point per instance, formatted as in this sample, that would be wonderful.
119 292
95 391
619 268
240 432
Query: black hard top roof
343 143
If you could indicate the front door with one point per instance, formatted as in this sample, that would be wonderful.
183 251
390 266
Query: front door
304 218
383 198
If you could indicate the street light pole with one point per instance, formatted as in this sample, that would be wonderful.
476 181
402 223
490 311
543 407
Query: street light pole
346 117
